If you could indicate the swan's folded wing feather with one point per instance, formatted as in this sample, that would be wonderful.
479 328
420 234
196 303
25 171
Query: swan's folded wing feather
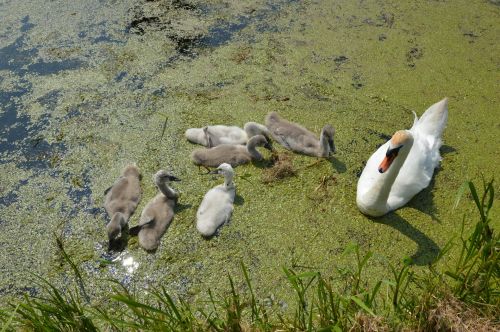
415 174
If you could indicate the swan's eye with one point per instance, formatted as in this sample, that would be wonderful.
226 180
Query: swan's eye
390 155
393 152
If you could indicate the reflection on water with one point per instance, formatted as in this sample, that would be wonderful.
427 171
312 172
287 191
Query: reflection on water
127 261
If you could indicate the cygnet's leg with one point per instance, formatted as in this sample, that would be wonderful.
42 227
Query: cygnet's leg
208 170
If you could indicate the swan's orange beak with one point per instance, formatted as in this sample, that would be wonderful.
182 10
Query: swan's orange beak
386 163
388 159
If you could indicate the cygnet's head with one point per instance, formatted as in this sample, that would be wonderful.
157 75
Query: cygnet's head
224 169
164 177
114 227
273 116
260 140
131 170
401 140
329 131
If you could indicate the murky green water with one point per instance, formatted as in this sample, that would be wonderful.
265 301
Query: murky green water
85 88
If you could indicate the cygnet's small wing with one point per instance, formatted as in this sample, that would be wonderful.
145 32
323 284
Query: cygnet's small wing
215 209
196 135
226 135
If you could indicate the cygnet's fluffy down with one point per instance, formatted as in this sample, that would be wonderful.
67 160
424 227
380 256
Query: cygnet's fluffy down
121 200
297 138
158 213
231 154
217 205
211 136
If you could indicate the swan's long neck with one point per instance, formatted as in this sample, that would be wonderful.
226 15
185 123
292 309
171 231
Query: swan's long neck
324 146
379 192
166 190
252 149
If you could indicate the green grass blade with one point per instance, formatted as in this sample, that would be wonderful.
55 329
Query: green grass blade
362 305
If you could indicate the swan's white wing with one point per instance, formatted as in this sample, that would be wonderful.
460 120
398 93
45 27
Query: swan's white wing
432 123
370 172
416 173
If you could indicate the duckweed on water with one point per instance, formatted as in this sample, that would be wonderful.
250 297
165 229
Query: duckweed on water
108 84
425 300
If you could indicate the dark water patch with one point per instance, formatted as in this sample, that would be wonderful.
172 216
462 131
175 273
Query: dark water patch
341 59
21 139
357 81
22 142
9 102
219 34
384 19
49 68
380 135
11 196
104 37
26 25
8 199
120 76
159 92
185 45
140 24
80 193
16 58
12 289
413 54
50 99
135 83
179 4
222 33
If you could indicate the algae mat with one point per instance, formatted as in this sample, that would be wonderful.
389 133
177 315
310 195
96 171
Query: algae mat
87 87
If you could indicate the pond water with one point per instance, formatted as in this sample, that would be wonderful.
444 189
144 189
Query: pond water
87 87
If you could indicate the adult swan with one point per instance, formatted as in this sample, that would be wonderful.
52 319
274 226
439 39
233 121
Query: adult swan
404 165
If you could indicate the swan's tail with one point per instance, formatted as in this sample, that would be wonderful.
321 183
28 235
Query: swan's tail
433 121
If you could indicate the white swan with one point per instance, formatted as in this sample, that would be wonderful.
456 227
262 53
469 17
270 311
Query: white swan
404 165
158 213
211 136
217 205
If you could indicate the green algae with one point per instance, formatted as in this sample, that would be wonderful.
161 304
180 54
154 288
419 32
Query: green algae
362 67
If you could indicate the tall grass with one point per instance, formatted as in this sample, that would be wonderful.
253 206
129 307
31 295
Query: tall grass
477 271
415 300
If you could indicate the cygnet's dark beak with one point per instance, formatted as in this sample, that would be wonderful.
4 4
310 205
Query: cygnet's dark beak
169 177
215 171
333 149
269 146
173 178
